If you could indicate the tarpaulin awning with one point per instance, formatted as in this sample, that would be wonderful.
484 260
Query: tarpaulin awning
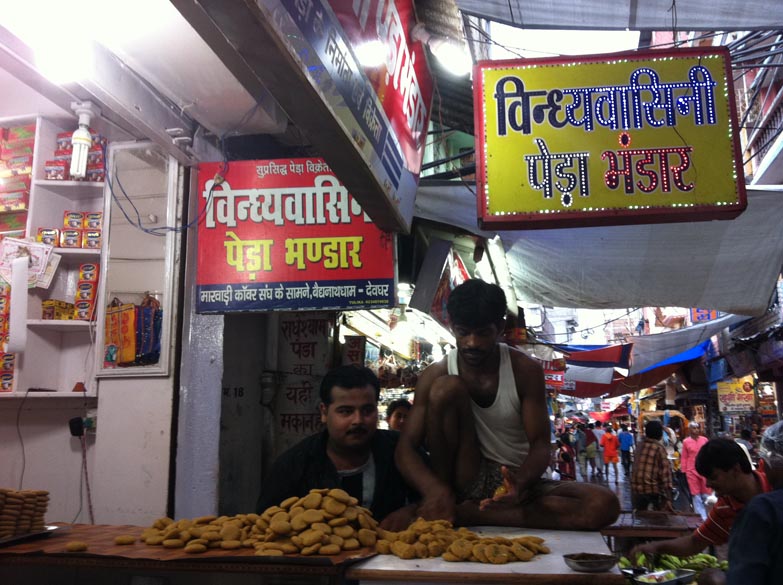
597 356
621 384
685 356
707 264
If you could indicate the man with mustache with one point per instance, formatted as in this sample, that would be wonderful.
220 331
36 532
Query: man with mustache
350 453
481 413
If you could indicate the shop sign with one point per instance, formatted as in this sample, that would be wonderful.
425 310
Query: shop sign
641 137
703 315
554 380
384 108
285 234
736 395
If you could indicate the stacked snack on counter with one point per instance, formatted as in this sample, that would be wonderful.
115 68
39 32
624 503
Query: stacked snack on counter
22 512
329 522
83 306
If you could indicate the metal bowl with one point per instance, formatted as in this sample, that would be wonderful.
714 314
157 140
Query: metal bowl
680 576
590 562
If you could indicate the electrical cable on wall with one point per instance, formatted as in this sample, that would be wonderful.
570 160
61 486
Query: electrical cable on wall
218 180
21 440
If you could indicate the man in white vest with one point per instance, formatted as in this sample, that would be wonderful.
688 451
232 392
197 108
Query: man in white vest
481 413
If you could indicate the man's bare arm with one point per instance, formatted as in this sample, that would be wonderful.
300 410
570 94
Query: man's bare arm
529 377
407 456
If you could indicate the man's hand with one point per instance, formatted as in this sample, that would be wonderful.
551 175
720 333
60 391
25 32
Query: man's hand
400 519
647 549
510 493
438 504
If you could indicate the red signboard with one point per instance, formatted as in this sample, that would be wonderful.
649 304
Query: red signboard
402 81
286 235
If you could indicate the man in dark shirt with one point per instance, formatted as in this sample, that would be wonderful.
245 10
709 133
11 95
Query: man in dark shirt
351 453
757 536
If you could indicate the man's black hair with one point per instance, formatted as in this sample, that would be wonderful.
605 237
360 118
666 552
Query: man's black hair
348 377
721 454
746 434
395 404
653 430
476 303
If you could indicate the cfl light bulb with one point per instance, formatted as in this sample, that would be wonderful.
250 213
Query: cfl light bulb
81 141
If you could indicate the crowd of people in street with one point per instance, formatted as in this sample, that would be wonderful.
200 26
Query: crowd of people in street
595 445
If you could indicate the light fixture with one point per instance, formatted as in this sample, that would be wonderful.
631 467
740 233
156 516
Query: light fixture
81 139
451 53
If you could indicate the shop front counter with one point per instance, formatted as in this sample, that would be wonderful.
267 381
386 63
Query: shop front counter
543 569
46 560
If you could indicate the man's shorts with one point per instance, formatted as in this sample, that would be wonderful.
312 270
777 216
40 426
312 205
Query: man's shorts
489 478
590 450
610 458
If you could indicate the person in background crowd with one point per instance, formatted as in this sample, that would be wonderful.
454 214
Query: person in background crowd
566 460
744 440
481 411
578 443
610 444
697 484
396 413
626 447
728 472
651 479
591 446
350 453
756 540
598 431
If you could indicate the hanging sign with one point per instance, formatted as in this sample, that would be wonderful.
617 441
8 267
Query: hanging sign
640 137
286 235
382 106
736 395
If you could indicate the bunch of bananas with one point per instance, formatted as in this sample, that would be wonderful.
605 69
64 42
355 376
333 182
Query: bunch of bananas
662 562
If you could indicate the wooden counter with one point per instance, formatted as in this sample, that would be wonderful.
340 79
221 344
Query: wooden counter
542 570
140 558
633 527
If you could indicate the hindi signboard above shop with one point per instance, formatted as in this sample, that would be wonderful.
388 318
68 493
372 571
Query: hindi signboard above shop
641 137
286 235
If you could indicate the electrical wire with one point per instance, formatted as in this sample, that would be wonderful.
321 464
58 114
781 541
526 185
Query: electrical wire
21 440
162 231
592 327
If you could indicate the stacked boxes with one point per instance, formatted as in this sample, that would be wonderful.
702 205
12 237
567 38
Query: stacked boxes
83 306
6 359
16 166
86 292
81 229
22 512
58 168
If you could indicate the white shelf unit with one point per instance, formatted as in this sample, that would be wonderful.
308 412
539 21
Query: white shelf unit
57 354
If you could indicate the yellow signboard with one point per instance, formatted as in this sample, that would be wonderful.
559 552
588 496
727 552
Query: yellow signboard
637 138
736 395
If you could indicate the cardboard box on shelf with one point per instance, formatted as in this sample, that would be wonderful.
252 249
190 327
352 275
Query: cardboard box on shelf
56 170
91 239
88 272
73 220
83 310
56 309
71 238
85 291
93 220
49 236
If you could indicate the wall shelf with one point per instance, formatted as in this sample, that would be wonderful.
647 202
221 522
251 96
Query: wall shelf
66 326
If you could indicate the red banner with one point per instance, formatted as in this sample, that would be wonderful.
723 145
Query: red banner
286 235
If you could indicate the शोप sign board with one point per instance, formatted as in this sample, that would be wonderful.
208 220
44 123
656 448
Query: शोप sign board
285 234
383 106
736 395
631 138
